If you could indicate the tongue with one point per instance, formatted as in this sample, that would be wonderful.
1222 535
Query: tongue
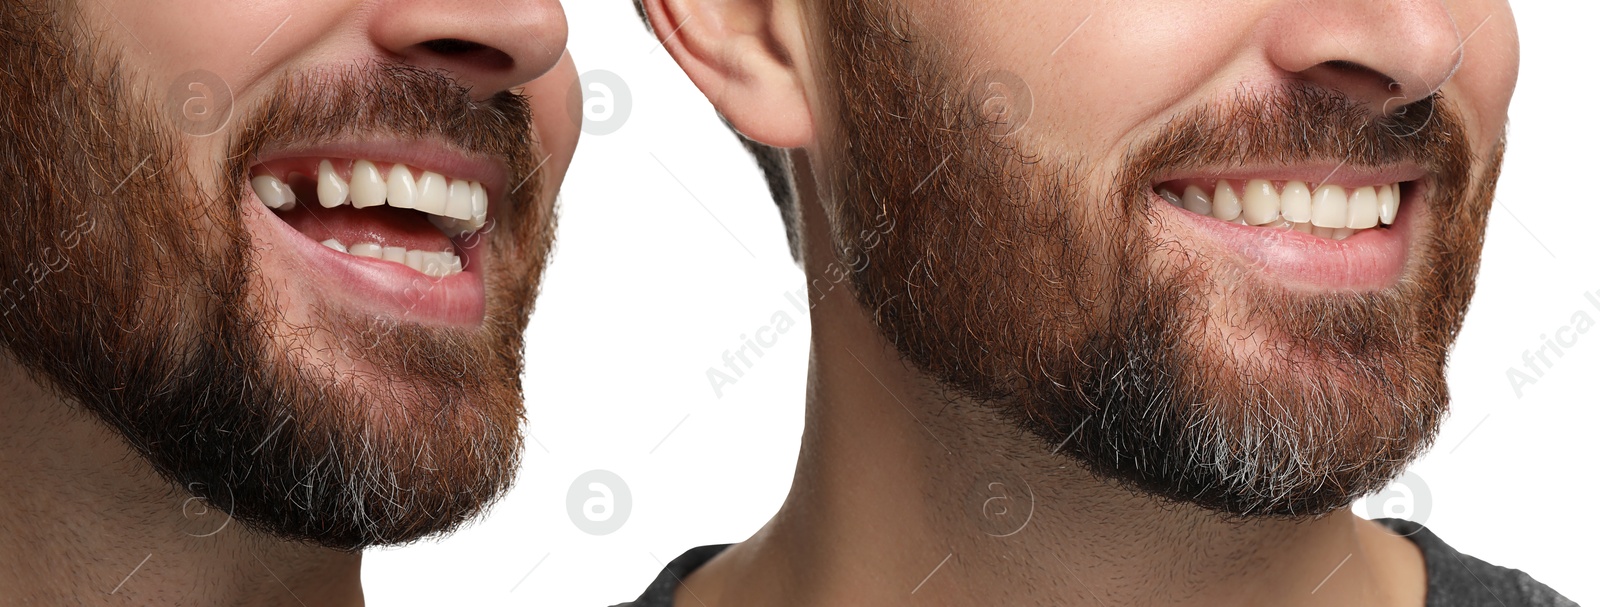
381 225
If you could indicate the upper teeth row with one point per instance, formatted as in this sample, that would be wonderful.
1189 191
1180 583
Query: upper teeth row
1262 203
456 206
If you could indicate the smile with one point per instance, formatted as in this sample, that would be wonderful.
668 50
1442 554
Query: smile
1350 232
456 207
1328 210
397 229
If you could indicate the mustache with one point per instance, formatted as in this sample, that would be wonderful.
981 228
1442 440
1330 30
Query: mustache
1304 123
388 99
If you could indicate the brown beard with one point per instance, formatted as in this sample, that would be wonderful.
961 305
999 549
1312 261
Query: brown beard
136 291
1016 282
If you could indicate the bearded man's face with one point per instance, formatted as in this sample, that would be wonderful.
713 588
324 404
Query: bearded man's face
1229 293
343 369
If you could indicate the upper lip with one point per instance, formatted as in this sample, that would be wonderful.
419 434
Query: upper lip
1312 173
421 155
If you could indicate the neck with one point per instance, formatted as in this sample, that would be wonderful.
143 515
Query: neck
86 521
903 496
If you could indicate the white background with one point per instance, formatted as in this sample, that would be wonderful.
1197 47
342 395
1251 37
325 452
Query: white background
669 250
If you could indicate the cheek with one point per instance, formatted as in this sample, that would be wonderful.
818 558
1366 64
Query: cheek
238 41
553 119
1098 74
200 63
1481 87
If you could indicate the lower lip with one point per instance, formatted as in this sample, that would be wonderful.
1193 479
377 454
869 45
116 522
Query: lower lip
1369 260
382 288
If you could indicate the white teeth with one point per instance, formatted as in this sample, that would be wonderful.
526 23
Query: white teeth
438 196
333 243
451 226
1196 200
434 265
1331 211
455 206
1330 208
433 193
1296 202
1363 208
1225 203
459 205
402 188
367 188
367 249
1388 203
273 192
1172 199
480 203
1261 202
466 210
332 190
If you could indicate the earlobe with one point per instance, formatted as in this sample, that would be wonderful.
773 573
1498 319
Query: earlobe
741 56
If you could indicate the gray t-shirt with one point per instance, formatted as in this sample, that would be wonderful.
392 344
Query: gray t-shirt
1454 579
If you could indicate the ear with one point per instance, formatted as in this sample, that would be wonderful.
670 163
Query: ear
748 57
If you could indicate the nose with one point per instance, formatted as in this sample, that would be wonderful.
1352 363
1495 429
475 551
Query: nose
487 45
1388 53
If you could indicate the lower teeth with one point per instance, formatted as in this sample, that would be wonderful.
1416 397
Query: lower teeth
435 265
1302 227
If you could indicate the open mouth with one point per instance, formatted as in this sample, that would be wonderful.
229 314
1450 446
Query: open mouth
385 211
1350 232
1327 210
397 229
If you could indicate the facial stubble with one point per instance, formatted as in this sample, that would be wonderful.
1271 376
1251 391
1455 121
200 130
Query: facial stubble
157 319
1016 281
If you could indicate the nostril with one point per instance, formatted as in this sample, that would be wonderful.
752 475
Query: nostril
456 49
1362 82
1361 72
